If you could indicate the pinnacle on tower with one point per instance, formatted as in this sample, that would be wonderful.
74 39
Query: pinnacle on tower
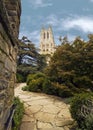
47 44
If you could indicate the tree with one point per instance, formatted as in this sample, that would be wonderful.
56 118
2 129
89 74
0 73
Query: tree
28 59
63 40
70 62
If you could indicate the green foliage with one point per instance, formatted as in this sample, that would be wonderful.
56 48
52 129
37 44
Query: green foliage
62 90
29 61
18 113
25 88
34 76
72 65
83 82
30 77
40 83
36 84
20 78
65 93
83 116
47 88
33 86
89 122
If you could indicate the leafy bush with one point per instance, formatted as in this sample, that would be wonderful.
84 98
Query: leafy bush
33 86
34 76
67 76
66 92
18 113
20 78
89 122
40 83
30 77
36 84
81 108
25 88
62 90
83 82
47 88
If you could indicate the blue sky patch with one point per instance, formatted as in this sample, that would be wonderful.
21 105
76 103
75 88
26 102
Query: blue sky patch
69 18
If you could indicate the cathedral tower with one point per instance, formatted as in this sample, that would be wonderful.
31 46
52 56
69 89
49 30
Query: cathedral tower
47 44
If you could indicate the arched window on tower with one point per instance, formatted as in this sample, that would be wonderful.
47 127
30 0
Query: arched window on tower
47 35
44 35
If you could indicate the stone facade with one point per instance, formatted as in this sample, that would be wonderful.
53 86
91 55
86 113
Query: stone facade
9 28
47 44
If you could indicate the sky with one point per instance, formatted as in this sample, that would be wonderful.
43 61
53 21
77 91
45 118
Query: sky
69 18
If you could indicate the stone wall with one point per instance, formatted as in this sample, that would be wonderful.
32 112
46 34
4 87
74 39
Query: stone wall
9 28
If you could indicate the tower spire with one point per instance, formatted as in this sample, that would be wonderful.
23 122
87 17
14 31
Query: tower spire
47 44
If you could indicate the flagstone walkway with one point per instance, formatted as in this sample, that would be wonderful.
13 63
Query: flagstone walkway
43 112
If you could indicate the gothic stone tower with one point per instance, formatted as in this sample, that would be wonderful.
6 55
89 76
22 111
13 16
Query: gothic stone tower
47 44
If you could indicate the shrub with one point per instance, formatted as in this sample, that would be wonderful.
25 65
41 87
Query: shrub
38 75
25 88
30 77
47 88
65 92
83 82
67 76
19 78
33 86
41 83
36 84
56 87
18 114
34 76
62 90
89 122
81 108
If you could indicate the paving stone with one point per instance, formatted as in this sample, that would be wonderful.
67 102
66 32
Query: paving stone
60 104
39 102
66 128
27 126
65 113
60 123
45 117
28 112
51 108
35 108
43 112
27 118
51 129
44 125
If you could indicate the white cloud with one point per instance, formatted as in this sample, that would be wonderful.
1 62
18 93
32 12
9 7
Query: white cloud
52 20
84 24
86 9
40 3
91 0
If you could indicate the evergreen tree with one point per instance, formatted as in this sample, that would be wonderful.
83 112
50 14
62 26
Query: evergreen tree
28 59
72 63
